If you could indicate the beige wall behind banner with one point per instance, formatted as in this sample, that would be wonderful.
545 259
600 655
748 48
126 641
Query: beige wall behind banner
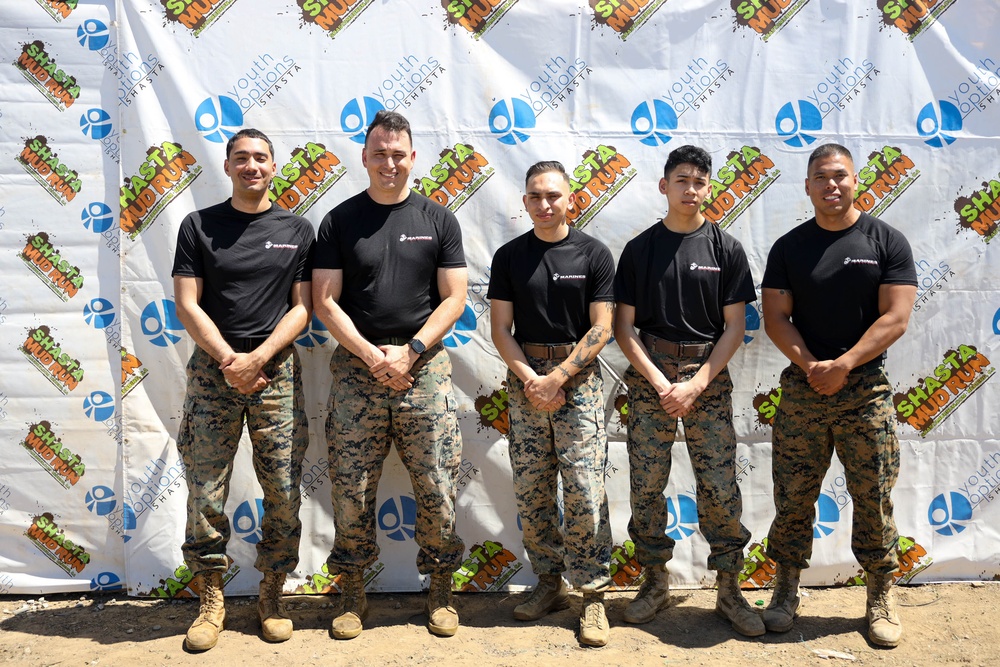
113 117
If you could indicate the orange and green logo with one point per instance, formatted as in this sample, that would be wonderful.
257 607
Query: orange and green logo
493 410
61 370
324 583
488 567
458 174
181 584
912 17
765 406
766 17
43 164
311 172
166 172
476 16
626 572
196 15
744 177
598 179
912 558
332 15
980 210
758 570
52 541
48 451
133 372
40 69
936 396
58 9
47 262
621 409
887 175
624 16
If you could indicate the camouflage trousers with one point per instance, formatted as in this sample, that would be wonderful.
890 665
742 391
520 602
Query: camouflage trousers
214 415
711 443
364 419
858 423
570 443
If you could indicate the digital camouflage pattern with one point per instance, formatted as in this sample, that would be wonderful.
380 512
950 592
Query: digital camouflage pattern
214 414
858 423
364 419
711 443
570 442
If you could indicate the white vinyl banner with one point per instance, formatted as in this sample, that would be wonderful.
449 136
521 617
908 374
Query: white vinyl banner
113 120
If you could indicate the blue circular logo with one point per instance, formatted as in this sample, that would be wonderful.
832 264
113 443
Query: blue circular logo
97 217
95 123
461 333
101 500
827 514
653 121
106 581
247 520
314 334
752 318
218 118
99 406
508 118
935 123
93 34
795 121
682 516
159 320
996 322
128 520
398 518
949 513
99 313
357 115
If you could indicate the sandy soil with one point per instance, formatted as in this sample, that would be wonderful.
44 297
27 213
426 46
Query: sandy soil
945 624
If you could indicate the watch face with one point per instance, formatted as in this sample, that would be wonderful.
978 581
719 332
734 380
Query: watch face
417 346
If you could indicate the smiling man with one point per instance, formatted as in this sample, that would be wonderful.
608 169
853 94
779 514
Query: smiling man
684 284
838 291
241 283
390 281
552 304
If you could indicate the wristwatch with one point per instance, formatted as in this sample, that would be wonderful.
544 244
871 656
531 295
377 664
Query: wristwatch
417 346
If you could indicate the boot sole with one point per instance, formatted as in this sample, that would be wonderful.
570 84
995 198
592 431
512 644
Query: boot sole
558 605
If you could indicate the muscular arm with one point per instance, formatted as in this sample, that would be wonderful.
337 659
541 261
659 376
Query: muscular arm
682 395
777 306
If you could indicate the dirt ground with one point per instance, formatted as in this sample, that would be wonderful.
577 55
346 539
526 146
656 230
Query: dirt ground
944 624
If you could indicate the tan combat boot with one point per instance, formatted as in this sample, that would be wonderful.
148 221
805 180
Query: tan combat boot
784 606
204 632
354 609
442 617
654 595
594 630
550 594
731 605
884 627
275 624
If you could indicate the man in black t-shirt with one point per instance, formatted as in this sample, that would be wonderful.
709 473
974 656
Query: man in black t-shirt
552 304
242 287
389 282
684 284
838 291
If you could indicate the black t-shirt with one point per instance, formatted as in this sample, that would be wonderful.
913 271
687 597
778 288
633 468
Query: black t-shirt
834 279
679 283
552 285
390 255
247 263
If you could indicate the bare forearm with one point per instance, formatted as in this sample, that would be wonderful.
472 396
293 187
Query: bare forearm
441 320
512 354
203 331
725 348
885 331
638 356
788 339
286 331
586 350
342 328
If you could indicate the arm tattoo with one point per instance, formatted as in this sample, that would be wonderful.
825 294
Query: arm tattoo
594 335
563 371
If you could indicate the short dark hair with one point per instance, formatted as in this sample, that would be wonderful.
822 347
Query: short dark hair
248 133
390 121
545 167
688 154
828 150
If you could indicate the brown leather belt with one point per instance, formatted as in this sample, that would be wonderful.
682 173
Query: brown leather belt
547 351
655 344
